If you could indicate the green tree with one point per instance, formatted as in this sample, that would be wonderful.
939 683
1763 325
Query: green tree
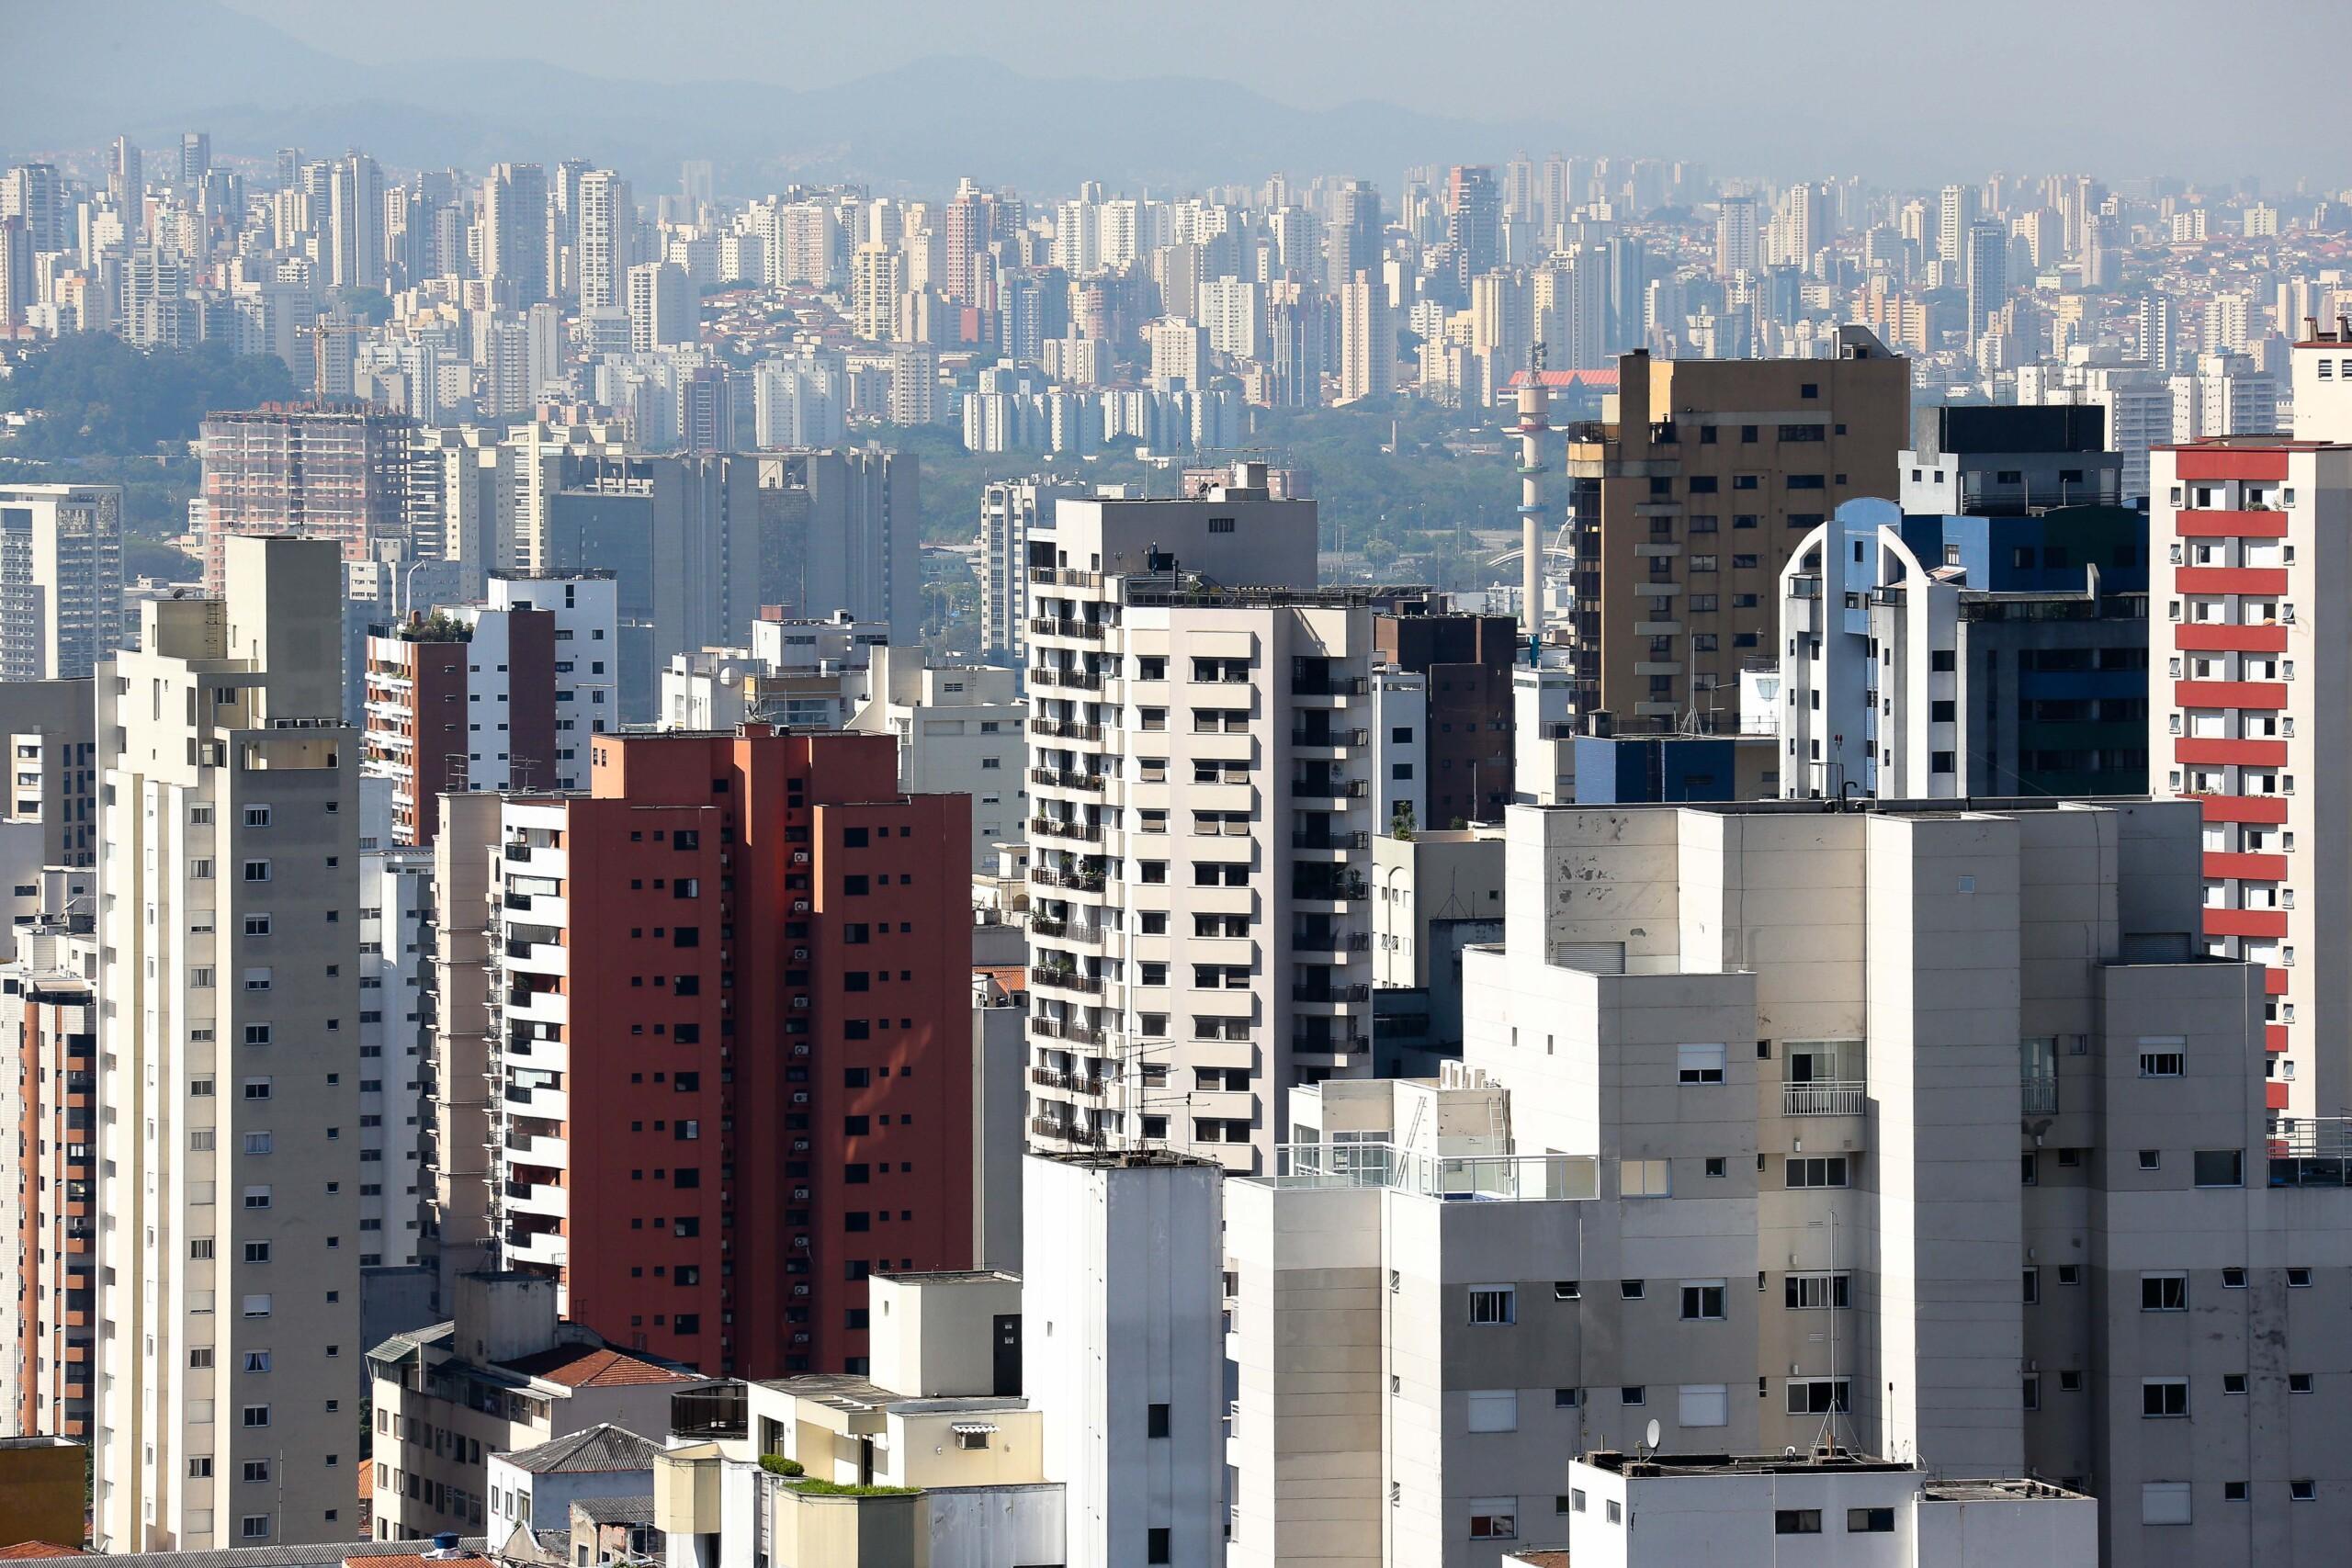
94 395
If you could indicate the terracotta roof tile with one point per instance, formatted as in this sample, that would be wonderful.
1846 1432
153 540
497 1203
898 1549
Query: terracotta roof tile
587 1366
38 1549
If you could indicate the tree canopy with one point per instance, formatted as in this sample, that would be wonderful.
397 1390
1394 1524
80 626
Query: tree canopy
98 396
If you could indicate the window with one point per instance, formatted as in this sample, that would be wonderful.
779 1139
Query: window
2031 1286
2163 1398
253 1526
2299 1279
1818 1397
1492 1306
256 1415
2160 1063
2220 1167
2164 1502
2234 1279
2232 1382
1811 1171
2302 1491
1806 1292
1796 1521
1567 1290
2032 1392
1870 1521
1703 1300
2164 1293
1493 1518
2233 1490
1491 1409
1645 1179
1632 1290
1703 1405
1156 1545
2299 1382
1633 1393
1155 1421
1699 1064
2152 1159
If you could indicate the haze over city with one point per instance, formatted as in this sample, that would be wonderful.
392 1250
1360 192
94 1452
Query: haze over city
1070 785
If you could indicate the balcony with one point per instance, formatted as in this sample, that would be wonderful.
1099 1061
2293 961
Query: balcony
1078 881
1327 686
1831 1097
1051 626
1066 1132
1063 1029
1360 839
1070 1083
1065 730
1065 778
1332 995
2039 1096
1069 680
1053 827
1066 980
1311 737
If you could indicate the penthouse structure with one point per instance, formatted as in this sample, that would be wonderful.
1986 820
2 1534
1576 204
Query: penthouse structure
1201 822
1920 1130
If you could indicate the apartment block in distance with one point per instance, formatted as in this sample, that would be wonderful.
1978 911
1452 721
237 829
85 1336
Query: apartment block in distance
1464 752
731 1045
1201 822
1921 1130
1690 493
228 1245
61 580
334 470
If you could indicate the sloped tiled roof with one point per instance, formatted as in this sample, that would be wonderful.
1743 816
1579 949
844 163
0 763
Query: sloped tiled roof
599 1448
38 1548
614 1510
588 1366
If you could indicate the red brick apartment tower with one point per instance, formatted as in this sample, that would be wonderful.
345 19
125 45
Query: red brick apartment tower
2250 713
757 1087
52 1017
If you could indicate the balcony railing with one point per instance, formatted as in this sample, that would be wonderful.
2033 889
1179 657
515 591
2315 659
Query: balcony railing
1324 686
2039 1096
1076 680
1062 1029
1073 1083
1065 730
1827 1097
1507 1178
1066 980
1050 625
1064 778
1051 827
1082 881
1303 735
1065 1133
1358 840
1359 993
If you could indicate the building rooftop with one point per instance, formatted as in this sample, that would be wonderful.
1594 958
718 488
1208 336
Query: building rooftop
1824 1461
614 1510
603 1447
590 1366
949 1276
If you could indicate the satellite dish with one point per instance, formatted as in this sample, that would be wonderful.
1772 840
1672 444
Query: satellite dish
1649 1435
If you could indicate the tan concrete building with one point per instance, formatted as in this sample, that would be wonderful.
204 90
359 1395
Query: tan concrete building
1688 496
228 1139
1956 1087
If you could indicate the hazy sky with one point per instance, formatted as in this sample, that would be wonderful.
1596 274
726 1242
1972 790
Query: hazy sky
2199 85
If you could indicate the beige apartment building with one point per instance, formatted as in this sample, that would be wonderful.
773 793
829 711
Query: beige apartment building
229 1139
1200 822
1688 497
1923 1130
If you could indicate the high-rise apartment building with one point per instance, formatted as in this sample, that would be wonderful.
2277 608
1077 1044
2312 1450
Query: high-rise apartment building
1986 266
1955 213
661 308
1464 750
48 726
605 224
229 1173
731 1042
1012 512
2247 566
356 223
61 580
515 233
1738 245
1701 479
1367 340
330 470
127 182
1354 235
499 695
1201 821
1473 220
49 1007
874 272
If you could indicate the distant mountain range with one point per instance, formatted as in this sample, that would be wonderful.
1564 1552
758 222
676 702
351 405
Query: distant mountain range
155 68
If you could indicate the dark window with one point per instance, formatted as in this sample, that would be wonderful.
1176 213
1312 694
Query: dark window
854 1126
1702 484
1155 1423
854 886
853 838
1156 1546
854 1175
1796 1521
1870 1521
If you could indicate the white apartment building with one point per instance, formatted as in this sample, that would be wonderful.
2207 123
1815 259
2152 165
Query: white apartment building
1952 1086
586 607
1653 1510
52 766
61 580
1401 748
229 1246
395 932
1201 822
1011 512
960 731
2226 394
